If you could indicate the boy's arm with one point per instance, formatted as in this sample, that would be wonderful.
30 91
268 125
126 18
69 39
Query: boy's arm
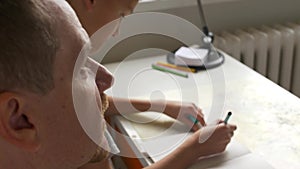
127 106
183 157
174 109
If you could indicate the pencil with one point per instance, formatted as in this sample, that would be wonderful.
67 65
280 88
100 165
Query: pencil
165 69
186 69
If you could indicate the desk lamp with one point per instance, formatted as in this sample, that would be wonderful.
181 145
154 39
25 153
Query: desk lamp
212 58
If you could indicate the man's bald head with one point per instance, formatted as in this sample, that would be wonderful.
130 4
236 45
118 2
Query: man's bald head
29 41
28 45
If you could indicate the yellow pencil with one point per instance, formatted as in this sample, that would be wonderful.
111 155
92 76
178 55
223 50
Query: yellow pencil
186 69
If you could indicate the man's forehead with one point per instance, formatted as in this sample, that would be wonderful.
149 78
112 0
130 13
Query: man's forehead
64 11
84 53
74 41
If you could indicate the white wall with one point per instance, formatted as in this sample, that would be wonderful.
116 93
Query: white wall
229 14
220 15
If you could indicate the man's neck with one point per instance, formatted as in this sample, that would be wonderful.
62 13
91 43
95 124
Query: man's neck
13 160
13 163
105 164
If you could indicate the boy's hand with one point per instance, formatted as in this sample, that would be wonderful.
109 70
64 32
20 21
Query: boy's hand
181 111
210 140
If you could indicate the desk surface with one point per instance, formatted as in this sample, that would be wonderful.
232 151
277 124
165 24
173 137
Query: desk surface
267 116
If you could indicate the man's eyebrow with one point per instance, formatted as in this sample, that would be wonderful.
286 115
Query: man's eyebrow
86 49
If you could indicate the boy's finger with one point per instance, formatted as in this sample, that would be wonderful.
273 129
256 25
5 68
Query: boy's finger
232 127
201 120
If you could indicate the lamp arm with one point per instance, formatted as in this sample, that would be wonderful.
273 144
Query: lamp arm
204 23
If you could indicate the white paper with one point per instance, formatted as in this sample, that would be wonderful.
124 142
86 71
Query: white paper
236 155
248 161
190 56
160 147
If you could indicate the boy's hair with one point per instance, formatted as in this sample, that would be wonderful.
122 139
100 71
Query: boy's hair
28 45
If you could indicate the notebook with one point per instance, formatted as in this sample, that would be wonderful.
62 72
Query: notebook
236 155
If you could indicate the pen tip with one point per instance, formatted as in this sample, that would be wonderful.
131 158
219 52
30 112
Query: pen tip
229 113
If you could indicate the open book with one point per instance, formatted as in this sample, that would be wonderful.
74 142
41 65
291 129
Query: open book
236 155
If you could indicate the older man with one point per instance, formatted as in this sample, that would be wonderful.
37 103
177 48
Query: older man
39 127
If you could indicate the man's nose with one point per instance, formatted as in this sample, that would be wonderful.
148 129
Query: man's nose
104 79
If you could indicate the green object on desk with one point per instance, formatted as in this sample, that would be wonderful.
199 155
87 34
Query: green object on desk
227 117
164 69
194 120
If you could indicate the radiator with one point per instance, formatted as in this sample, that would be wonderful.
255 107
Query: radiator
273 51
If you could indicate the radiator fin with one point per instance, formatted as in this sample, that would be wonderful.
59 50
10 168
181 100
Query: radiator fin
296 66
273 51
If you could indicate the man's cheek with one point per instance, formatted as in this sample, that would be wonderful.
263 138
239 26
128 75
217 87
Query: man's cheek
87 109
98 99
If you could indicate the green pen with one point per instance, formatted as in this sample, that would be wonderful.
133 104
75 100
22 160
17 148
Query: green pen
227 117
165 69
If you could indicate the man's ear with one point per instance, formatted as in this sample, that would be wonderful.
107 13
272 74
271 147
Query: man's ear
15 125
89 4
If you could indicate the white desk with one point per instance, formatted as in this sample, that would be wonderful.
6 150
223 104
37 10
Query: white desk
267 116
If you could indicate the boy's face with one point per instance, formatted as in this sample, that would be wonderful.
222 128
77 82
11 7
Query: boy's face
102 12
62 132
109 10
